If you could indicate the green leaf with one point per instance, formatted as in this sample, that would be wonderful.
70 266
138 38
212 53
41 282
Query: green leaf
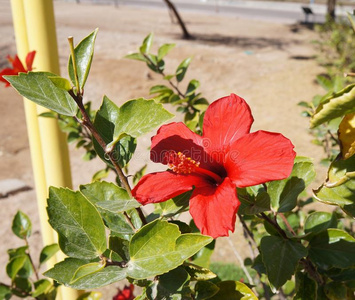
37 87
83 52
120 247
339 187
337 105
203 257
233 290
79 225
159 247
337 291
182 68
319 221
5 292
198 273
346 135
324 82
332 248
17 252
64 271
147 43
306 288
139 116
280 258
105 121
21 225
15 265
253 204
205 290
21 286
164 50
61 82
176 205
96 192
284 193
117 206
160 89
42 286
192 87
91 296
136 56
86 270
47 252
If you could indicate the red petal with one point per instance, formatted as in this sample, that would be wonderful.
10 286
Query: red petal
158 187
226 120
17 65
29 60
6 71
214 208
259 157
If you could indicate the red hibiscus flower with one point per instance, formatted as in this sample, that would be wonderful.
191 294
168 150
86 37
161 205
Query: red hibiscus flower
226 156
125 294
17 66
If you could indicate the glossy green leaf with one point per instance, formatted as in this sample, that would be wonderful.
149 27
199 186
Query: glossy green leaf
159 247
306 288
253 204
5 292
339 187
164 50
332 248
147 43
61 82
117 206
139 116
91 296
87 270
136 56
42 286
198 273
97 191
79 225
203 257
21 225
284 193
160 89
83 52
15 265
48 252
205 290
17 252
105 122
233 290
64 271
176 205
319 221
182 68
37 87
192 87
280 257
337 105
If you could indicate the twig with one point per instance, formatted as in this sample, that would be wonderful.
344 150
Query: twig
30 258
274 224
284 219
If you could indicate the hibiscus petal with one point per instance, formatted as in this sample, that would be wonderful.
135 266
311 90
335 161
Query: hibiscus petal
259 157
6 71
226 120
214 208
17 65
29 60
161 186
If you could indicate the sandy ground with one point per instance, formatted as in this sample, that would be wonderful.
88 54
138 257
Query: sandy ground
271 65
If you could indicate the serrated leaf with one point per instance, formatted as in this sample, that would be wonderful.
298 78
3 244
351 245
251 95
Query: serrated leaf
139 116
87 270
79 225
205 290
159 247
147 43
339 187
332 248
83 52
117 206
280 257
164 50
47 252
335 106
37 87
21 225
346 135
319 221
182 68
284 193
306 288
233 290
136 56
61 82
63 273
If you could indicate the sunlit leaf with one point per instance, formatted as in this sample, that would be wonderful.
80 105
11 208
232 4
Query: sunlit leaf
21 225
346 135
233 290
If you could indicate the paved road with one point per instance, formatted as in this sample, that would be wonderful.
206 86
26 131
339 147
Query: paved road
282 12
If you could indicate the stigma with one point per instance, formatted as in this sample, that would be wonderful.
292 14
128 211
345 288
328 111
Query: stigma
181 164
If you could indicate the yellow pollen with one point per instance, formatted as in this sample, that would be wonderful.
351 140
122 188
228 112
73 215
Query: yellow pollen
180 164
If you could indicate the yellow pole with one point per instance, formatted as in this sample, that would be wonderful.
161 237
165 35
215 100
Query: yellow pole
35 30
18 17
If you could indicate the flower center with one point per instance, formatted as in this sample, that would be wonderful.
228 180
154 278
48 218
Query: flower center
181 164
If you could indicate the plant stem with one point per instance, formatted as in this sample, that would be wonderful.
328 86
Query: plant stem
88 124
31 261
71 44
274 224
311 270
284 219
